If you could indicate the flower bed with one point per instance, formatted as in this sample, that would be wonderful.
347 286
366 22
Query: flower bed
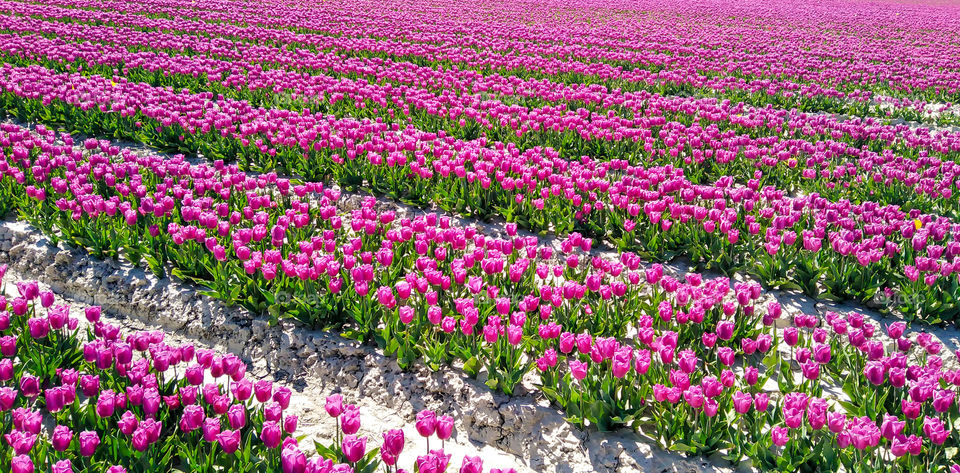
499 126
692 62
612 344
865 251
91 398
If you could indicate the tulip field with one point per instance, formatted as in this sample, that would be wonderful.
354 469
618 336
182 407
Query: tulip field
559 158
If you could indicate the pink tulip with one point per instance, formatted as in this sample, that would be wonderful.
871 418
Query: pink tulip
61 438
292 460
39 327
354 448
229 440
22 464
263 390
426 423
30 386
444 427
471 465
393 441
89 440
62 466
350 420
779 436
270 434
6 369
8 345
92 314
334 405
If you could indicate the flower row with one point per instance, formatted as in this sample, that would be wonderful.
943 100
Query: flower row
94 399
864 251
805 78
663 125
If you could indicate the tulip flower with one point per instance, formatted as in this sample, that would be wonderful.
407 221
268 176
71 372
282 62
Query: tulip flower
193 418
8 345
282 397
444 427
292 460
229 440
62 466
779 436
334 405
30 385
471 465
393 441
578 369
725 330
237 416
61 438
350 419
426 423
22 442
92 314
22 464
211 428
270 434
263 390
89 440
354 448
290 424
742 402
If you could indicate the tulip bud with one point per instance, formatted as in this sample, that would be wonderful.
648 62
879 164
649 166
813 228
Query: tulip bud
444 427
334 405
89 440
426 423
354 448
92 313
393 441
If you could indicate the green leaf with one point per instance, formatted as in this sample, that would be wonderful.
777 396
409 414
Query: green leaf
472 366
682 447
770 361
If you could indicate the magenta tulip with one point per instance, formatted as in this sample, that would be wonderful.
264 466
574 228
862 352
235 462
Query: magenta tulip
22 464
229 440
426 423
89 440
270 434
292 460
354 448
61 438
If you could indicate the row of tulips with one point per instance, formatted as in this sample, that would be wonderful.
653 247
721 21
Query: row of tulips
674 64
862 251
672 143
925 182
96 400
698 366
816 395
612 123
527 92
661 129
